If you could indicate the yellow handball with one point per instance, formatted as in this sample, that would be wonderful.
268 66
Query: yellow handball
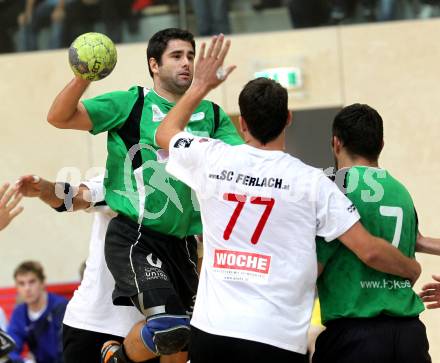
92 56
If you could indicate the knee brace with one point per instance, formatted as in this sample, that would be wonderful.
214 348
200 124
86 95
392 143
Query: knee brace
166 334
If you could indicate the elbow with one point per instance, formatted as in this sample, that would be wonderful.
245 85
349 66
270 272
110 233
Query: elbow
54 121
51 119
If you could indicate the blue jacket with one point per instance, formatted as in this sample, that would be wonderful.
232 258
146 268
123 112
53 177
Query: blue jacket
43 336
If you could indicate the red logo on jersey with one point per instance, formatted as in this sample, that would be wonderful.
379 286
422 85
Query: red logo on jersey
237 260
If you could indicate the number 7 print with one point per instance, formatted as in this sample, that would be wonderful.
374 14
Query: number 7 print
241 200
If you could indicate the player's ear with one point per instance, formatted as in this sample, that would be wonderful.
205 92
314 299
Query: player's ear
154 66
289 119
242 124
336 144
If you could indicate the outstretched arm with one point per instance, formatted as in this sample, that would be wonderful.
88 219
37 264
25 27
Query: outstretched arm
207 76
379 254
9 199
66 112
428 245
52 193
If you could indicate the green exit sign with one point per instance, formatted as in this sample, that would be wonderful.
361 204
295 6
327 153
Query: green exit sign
289 77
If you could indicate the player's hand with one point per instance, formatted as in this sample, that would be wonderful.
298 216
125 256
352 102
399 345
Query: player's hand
209 71
431 293
29 185
9 199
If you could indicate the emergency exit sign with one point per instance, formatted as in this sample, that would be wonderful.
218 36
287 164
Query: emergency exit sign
289 77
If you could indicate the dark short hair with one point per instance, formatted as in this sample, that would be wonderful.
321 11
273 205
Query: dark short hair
264 106
159 42
30 266
360 129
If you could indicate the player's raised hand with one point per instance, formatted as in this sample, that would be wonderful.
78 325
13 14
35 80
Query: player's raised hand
9 199
209 70
29 185
431 293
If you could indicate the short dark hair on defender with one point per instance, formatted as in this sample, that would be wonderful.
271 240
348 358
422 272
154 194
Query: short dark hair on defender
30 266
263 105
159 42
360 129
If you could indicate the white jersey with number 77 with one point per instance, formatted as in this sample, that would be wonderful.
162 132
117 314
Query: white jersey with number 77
261 211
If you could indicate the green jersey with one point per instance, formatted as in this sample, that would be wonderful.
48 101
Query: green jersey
136 184
349 288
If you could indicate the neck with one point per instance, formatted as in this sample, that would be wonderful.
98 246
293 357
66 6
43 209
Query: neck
169 95
344 161
38 304
279 144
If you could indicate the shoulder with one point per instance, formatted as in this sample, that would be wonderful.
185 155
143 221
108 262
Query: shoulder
19 311
403 190
300 168
207 107
114 96
206 104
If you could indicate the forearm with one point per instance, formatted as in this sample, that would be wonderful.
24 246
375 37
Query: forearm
178 117
379 254
55 198
386 258
66 103
428 245
48 195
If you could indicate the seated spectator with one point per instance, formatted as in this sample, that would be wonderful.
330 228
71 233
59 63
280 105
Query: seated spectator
38 15
38 320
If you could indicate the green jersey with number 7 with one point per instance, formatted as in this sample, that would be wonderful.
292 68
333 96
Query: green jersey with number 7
349 288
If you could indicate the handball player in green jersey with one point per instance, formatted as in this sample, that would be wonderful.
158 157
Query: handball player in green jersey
150 249
370 316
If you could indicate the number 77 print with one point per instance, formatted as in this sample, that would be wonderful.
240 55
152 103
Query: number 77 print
241 200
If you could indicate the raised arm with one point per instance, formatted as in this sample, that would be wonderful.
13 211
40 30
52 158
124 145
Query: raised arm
379 254
54 194
66 111
207 76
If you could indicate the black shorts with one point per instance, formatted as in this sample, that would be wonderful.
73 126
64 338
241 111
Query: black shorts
84 346
155 272
383 339
205 347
